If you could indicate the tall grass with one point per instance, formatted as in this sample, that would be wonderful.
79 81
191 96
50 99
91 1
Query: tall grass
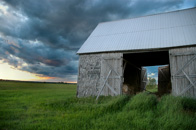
54 106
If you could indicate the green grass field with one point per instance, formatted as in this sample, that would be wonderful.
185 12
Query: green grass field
34 106
152 89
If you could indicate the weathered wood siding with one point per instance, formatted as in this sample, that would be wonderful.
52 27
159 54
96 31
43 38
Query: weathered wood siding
112 62
164 80
89 75
143 79
183 71
100 74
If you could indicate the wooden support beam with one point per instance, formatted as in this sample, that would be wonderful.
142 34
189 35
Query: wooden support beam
111 89
182 54
111 67
103 84
193 58
189 79
114 77
187 88
183 76
132 64
124 68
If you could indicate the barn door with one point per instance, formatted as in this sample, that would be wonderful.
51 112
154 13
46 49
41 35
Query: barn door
111 74
143 79
183 70
164 80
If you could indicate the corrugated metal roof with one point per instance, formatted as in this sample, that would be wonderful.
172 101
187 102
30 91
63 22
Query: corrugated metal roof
164 30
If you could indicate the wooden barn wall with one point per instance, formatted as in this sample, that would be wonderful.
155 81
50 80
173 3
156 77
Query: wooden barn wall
112 62
183 71
88 75
164 80
99 74
144 79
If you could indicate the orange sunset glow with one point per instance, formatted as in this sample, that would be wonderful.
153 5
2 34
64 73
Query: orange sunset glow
7 72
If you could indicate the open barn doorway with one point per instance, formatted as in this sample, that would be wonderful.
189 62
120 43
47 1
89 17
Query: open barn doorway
158 79
135 74
151 79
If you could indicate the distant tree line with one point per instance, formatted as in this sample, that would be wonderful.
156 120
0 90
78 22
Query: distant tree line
151 83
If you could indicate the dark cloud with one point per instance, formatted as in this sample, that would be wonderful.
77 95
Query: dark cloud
38 58
67 23
62 71
45 34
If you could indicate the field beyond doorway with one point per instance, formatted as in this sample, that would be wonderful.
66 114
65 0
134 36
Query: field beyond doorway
55 106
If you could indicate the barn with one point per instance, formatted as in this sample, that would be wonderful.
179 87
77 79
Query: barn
111 60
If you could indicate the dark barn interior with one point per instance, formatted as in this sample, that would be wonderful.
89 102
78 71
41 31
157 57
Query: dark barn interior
134 73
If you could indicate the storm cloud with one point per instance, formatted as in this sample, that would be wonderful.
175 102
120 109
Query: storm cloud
43 36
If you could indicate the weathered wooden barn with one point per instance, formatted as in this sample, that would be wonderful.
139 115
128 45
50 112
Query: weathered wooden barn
111 60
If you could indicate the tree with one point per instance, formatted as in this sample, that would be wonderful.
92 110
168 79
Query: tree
151 83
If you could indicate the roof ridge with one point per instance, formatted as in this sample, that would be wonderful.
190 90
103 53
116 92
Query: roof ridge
179 10
143 30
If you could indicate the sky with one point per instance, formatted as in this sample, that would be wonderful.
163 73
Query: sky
39 38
